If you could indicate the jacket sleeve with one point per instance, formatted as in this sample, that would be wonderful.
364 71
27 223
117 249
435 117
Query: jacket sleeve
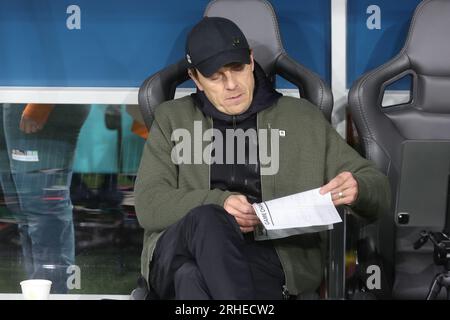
374 195
159 202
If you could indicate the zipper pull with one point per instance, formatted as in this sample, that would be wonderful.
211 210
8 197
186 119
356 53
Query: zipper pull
285 293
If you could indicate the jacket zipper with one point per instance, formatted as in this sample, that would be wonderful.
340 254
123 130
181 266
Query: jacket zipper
284 288
233 169
209 160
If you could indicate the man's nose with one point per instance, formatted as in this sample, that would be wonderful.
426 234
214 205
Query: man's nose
230 81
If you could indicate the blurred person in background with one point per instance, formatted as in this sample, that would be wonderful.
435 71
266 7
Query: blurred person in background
37 148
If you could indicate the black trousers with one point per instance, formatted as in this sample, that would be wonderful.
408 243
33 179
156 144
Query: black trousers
205 256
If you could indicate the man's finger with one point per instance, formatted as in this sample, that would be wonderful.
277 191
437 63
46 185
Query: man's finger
246 206
242 198
347 196
241 205
240 215
247 229
349 186
333 184
246 223
336 183
29 128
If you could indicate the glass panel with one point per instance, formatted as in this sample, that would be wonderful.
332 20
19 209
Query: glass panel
67 209
392 97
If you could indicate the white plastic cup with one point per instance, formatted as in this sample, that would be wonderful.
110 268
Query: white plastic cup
36 289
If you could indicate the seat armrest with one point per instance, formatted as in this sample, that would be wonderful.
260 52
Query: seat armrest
339 239
335 279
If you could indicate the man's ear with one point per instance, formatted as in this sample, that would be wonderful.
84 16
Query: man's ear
252 61
194 76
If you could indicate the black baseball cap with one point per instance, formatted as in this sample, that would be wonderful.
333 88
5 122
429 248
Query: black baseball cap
215 42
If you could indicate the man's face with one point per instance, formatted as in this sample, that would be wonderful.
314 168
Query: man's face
230 89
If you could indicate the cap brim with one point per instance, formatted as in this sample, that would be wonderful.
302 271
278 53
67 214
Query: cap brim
211 65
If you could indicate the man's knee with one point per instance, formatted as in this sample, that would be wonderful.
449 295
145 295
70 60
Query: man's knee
208 214
189 283
187 271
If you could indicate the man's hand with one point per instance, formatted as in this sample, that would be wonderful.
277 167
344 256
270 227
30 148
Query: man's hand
29 125
343 188
243 212
34 117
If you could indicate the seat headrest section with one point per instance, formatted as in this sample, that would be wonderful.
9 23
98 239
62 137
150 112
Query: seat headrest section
428 42
258 21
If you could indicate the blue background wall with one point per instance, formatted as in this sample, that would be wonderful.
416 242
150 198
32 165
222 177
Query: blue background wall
368 49
121 42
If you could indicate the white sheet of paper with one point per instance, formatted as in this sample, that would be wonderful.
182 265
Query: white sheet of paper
300 210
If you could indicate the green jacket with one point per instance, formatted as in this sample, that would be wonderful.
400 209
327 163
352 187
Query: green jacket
311 154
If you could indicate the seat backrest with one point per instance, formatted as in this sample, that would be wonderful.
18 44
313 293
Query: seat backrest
387 133
258 21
